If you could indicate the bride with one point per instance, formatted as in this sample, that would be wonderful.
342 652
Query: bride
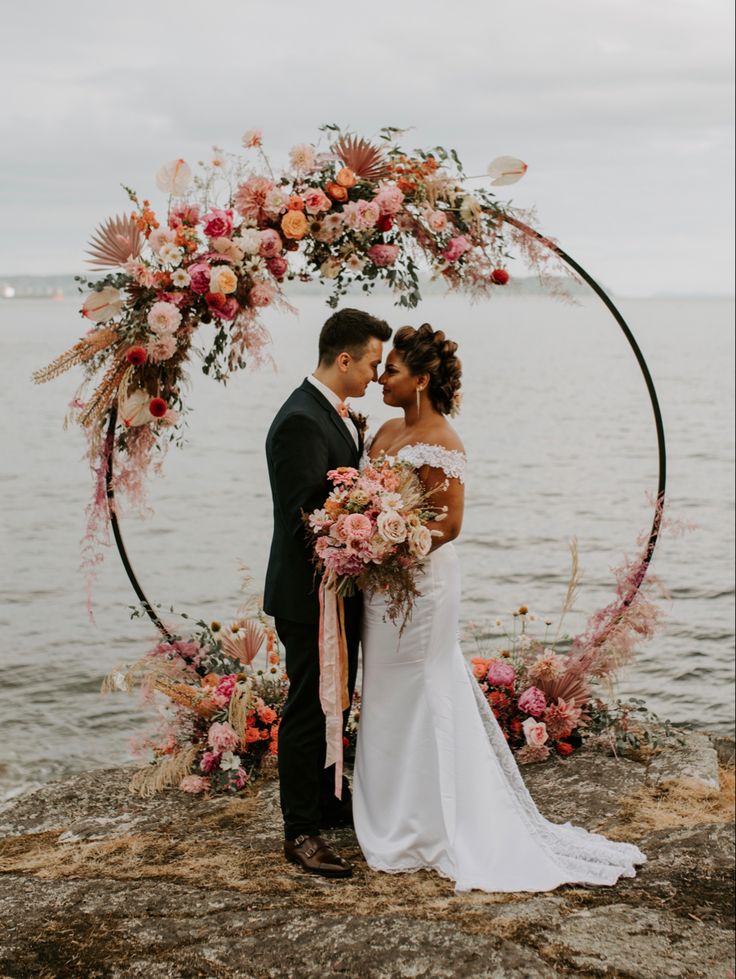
436 786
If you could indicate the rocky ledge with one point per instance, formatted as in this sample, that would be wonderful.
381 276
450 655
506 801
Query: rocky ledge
97 882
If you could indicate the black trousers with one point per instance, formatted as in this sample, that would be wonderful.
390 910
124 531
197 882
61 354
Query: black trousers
307 788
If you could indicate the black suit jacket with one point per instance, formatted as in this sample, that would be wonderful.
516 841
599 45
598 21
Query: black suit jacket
306 439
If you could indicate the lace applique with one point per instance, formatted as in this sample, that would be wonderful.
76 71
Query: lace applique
450 461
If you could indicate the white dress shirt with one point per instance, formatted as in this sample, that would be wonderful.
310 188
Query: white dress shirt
335 401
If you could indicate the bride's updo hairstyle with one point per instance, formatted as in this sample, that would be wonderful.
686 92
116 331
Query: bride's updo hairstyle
428 351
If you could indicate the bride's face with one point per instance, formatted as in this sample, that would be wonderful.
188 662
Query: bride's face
398 383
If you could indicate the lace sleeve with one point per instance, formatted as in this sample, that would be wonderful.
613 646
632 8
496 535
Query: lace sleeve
450 461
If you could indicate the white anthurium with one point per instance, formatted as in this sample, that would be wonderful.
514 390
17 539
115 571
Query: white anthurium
133 408
229 762
103 305
174 178
506 170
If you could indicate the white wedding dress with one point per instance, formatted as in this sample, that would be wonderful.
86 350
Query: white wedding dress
436 786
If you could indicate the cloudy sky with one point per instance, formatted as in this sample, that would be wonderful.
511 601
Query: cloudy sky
623 110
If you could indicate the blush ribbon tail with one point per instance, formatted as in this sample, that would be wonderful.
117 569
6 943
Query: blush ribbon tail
333 674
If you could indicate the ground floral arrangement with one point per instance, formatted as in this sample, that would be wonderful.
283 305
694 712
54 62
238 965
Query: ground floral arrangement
222 708
189 282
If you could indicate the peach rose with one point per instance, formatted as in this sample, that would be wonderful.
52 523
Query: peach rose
336 192
420 541
294 225
391 526
535 732
346 177
223 279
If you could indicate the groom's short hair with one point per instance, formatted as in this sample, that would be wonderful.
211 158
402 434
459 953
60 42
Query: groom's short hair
349 330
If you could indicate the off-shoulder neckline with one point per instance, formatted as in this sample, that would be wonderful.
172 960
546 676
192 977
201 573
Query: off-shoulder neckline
413 445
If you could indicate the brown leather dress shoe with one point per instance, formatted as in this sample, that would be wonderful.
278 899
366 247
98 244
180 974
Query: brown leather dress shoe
316 855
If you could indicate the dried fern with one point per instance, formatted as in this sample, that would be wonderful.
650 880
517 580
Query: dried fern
164 773
81 352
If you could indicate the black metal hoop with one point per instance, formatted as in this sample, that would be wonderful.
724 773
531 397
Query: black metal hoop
661 448
110 451
607 301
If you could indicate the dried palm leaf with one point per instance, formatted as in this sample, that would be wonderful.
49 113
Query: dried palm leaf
572 687
245 643
365 160
164 773
114 242
80 353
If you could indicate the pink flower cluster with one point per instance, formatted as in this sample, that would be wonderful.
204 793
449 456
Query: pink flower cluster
365 522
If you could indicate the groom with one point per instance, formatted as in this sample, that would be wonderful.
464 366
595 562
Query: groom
312 433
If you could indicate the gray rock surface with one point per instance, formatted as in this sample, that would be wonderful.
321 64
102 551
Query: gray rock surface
97 882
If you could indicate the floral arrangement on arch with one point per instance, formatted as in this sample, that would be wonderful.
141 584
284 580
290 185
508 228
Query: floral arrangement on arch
348 212
542 689
221 716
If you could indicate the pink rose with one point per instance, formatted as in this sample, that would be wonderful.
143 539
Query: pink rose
316 201
456 247
369 213
218 224
535 732
532 701
383 255
271 243
199 277
389 199
222 737
224 307
277 266
209 761
226 686
500 674
357 527
437 221
261 294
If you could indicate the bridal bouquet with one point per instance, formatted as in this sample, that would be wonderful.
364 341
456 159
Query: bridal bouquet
372 533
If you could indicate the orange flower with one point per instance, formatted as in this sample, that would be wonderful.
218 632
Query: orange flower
336 192
210 681
296 203
346 177
405 186
273 658
294 225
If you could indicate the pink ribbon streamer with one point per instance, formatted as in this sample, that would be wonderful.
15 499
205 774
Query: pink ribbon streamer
333 679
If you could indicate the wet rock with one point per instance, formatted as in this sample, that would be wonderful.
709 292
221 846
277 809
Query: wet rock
696 758
97 882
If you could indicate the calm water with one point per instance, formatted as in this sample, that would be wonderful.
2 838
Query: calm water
561 442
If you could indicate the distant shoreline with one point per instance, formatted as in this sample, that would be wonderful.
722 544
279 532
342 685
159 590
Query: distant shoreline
65 286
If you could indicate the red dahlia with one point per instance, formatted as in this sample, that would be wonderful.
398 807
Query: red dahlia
136 356
158 407
500 277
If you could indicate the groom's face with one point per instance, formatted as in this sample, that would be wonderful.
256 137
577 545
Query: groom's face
361 371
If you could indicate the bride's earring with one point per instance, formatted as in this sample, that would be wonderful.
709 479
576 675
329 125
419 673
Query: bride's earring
419 399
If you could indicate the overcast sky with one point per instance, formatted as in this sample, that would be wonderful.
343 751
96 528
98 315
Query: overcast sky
623 110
